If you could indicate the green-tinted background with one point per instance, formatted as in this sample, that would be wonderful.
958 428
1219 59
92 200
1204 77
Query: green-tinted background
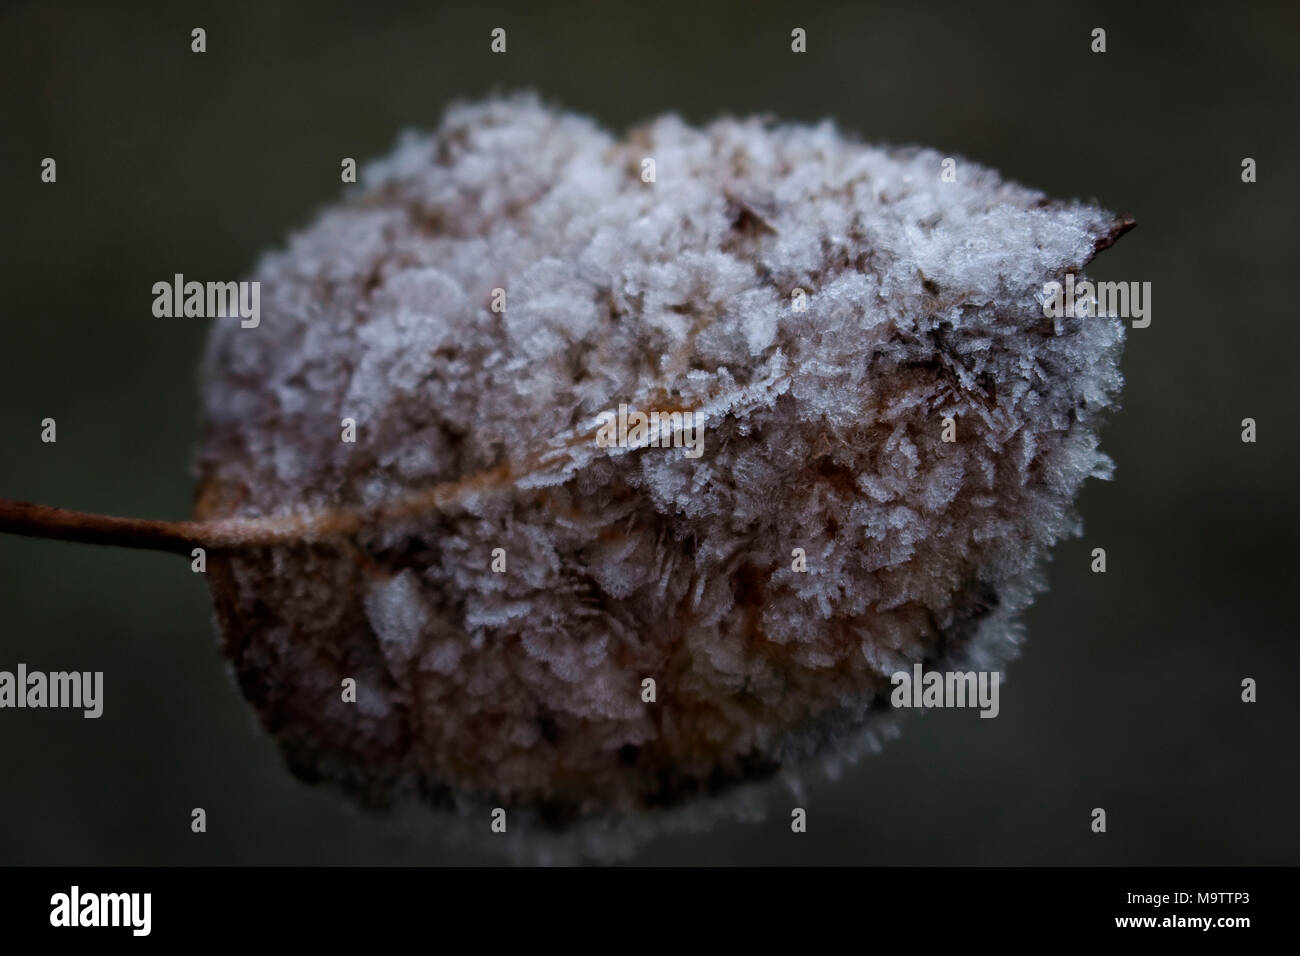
1127 694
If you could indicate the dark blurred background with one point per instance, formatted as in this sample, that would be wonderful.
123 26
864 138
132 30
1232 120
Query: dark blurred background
1127 695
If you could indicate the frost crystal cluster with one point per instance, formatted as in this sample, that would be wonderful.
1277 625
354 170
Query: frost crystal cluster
475 430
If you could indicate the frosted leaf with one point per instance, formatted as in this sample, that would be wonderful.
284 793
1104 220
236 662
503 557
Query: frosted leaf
476 430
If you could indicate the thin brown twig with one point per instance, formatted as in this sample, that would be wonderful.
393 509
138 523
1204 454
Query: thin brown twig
307 525
41 521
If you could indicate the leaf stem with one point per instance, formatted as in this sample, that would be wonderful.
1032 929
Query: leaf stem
40 521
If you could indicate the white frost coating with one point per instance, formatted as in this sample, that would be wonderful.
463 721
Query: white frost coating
395 610
823 432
